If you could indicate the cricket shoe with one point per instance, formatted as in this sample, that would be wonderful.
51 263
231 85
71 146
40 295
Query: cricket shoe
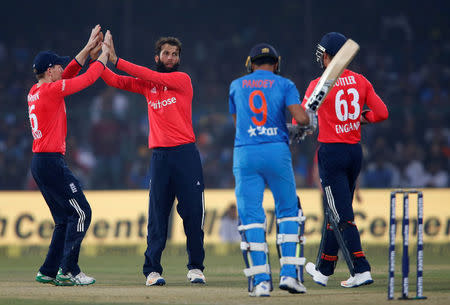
68 279
359 279
155 279
261 290
64 279
82 279
317 276
196 276
44 279
292 285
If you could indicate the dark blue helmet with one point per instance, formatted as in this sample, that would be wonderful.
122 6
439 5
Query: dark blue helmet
330 44
262 50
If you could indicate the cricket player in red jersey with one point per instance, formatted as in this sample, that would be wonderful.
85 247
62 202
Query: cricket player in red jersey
176 169
60 188
339 159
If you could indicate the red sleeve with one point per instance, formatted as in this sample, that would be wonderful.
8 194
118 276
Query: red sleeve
70 86
72 69
124 82
174 80
308 92
378 111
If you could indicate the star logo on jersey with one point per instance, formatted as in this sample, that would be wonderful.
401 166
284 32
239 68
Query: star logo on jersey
252 131
261 130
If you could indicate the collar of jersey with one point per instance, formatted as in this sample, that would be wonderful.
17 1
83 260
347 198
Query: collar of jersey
262 72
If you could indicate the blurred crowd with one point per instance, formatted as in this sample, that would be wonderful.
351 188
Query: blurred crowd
107 147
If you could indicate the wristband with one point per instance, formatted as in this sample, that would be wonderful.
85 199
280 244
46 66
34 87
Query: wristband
78 62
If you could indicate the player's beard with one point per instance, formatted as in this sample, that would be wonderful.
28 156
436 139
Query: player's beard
161 67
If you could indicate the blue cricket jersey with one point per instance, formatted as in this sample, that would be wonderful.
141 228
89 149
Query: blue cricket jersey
259 101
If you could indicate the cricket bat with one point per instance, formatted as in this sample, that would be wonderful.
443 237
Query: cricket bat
334 69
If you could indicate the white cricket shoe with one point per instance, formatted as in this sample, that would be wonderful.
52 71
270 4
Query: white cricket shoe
292 285
196 276
317 276
68 279
83 279
261 290
358 280
155 279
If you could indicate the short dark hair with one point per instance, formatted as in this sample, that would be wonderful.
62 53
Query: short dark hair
264 60
173 41
40 76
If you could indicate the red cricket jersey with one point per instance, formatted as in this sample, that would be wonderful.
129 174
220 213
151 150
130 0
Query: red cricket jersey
169 100
47 109
339 115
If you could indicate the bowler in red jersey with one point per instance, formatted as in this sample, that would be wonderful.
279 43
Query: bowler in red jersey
176 170
60 188
339 160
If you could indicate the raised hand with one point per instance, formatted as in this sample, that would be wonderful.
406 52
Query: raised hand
94 38
109 42
95 51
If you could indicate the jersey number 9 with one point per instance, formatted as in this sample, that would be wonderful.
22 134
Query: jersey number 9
262 109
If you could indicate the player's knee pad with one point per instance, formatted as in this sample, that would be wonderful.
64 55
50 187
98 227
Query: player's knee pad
291 230
249 247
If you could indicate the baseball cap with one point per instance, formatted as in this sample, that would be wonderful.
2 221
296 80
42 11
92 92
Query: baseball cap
46 59
262 50
332 42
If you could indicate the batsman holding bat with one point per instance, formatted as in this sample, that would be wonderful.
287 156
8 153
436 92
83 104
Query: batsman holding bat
339 158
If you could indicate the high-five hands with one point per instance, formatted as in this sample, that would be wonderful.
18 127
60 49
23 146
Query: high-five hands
109 41
95 38
95 51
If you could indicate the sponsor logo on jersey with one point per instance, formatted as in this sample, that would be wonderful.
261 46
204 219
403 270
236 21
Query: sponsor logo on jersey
261 130
160 104
153 90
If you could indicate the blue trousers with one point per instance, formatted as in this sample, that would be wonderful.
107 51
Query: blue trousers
175 172
69 208
339 167
254 166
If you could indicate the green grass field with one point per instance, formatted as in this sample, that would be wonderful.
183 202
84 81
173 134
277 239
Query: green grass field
120 281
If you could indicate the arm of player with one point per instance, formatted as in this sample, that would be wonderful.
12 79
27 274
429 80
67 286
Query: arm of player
93 41
231 103
127 83
74 67
378 111
67 87
299 114
175 80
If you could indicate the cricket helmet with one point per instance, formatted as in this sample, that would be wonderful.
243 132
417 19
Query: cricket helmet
330 44
259 51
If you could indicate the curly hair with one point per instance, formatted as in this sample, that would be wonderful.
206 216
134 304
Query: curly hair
173 41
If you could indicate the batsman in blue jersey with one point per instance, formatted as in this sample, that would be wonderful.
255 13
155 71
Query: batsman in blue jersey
258 103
